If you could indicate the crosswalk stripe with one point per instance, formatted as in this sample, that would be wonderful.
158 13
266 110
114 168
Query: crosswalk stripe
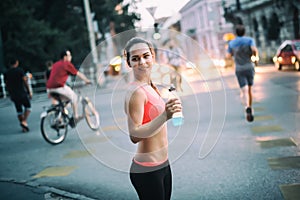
291 162
276 142
263 117
55 171
77 154
290 191
263 129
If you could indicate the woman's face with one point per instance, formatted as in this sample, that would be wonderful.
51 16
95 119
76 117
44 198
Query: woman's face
141 59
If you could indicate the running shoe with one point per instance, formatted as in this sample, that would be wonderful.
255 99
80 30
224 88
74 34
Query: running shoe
249 114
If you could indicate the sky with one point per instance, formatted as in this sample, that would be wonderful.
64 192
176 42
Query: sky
165 8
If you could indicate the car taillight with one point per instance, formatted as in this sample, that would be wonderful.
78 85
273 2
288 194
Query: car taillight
293 59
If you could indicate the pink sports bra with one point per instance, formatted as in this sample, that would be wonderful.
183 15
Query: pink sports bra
153 107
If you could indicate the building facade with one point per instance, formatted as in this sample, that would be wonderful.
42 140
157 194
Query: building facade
269 22
203 20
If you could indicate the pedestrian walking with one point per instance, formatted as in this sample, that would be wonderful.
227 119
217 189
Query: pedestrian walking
19 91
174 55
147 114
242 48
58 77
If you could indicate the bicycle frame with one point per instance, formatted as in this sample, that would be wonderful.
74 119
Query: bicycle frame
55 120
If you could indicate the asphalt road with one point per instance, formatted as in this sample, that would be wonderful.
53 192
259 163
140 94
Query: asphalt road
216 154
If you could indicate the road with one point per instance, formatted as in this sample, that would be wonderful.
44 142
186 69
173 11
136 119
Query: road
216 154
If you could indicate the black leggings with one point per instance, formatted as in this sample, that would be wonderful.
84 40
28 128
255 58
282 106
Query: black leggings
152 182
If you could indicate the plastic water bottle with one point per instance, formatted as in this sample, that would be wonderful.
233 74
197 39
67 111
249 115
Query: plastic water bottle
177 118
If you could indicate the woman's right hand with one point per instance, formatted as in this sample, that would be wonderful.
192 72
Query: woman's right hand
172 106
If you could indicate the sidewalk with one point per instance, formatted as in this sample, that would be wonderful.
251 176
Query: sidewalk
43 97
23 190
19 191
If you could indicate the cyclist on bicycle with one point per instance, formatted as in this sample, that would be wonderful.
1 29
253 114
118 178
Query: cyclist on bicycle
58 77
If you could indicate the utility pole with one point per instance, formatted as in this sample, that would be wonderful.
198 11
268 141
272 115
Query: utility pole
2 65
91 31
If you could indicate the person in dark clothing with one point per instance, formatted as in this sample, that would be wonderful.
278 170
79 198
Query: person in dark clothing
20 94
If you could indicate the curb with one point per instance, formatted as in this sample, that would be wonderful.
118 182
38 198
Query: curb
50 193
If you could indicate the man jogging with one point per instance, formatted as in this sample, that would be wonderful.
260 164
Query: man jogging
242 48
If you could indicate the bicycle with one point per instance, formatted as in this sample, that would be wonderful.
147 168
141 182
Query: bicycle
56 119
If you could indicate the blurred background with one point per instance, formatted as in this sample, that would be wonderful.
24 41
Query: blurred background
37 31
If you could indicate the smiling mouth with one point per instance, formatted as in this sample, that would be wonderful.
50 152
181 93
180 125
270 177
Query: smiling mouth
143 67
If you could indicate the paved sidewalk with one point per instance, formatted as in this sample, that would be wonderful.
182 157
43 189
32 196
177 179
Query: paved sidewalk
16 191
25 190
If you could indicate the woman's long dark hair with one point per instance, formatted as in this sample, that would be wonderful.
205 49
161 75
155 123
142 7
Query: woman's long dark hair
138 40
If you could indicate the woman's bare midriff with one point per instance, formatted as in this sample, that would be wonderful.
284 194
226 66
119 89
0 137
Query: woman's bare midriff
154 149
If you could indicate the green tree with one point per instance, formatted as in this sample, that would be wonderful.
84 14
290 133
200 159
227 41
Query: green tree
23 35
112 16
36 31
66 16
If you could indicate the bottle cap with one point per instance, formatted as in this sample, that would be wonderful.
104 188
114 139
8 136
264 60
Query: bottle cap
172 88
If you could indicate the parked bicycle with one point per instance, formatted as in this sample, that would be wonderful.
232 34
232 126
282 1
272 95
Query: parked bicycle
56 119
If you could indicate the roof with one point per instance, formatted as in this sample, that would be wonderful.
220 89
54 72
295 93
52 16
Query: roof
190 4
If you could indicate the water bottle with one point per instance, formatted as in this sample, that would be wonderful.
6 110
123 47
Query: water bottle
177 118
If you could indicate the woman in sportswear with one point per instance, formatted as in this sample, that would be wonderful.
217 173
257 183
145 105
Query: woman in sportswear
147 114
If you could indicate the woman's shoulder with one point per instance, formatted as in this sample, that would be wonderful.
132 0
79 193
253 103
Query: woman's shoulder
136 91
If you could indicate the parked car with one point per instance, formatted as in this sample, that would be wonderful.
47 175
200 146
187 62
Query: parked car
288 54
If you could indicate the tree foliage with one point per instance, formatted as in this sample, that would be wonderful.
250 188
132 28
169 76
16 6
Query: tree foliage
117 19
37 31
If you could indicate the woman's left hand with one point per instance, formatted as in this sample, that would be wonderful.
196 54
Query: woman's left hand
172 106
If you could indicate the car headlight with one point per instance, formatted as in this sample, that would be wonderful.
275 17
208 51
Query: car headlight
279 59
275 59
117 68
293 59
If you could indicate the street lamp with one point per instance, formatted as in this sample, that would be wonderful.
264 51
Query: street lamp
89 23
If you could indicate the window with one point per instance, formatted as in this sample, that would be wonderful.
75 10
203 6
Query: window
287 48
297 46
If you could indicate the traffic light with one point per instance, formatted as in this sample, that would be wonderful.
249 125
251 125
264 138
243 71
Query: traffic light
156 34
156 30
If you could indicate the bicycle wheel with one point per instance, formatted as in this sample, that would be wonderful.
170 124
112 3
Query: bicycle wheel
91 115
54 127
